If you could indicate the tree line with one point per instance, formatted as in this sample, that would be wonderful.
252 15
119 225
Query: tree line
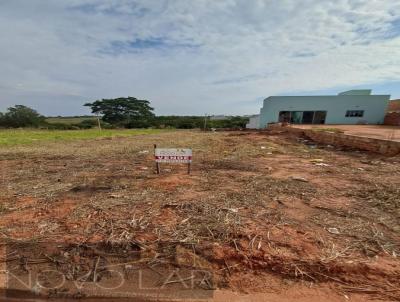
116 113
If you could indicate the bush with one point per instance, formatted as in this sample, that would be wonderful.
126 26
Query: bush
138 123
60 126
87 124
1 119
235 122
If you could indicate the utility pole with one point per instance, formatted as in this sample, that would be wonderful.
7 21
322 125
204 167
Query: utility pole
205 122
98 122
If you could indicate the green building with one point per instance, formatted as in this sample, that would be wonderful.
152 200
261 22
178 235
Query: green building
346 108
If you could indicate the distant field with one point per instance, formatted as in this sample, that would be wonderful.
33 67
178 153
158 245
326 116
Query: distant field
69 120
14 137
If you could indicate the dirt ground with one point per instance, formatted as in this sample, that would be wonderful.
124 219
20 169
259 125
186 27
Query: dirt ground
372 131
262 217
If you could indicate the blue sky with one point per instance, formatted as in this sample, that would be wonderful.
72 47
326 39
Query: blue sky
194 57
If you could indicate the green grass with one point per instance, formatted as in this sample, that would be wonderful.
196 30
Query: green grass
13 137
69 120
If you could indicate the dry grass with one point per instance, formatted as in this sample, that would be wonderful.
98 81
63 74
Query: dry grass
240 202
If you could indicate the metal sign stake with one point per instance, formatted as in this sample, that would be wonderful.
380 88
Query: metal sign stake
157 163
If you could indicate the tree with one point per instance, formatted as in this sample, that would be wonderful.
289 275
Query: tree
128 112
21 116
233 122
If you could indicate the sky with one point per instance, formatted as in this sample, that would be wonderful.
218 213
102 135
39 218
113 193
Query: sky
193 57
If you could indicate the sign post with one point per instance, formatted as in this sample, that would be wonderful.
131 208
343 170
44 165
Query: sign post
157 163
173 156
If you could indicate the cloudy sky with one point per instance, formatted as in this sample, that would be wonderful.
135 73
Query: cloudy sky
193 56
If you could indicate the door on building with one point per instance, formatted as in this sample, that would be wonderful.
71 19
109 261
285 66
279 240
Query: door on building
319 117
284 116
308 117
296 117
302 117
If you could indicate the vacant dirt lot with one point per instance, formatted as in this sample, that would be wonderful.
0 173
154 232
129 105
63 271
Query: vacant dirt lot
266 214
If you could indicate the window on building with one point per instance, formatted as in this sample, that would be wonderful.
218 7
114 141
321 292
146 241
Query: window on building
302 117
284 116
354 113
296 117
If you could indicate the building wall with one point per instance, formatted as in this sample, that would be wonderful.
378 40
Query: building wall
374 107
392 119
394 106
254 122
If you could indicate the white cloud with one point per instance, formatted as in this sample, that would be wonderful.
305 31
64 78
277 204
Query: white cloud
191 56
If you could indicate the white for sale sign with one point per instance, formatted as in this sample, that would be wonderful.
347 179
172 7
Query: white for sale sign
164 155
